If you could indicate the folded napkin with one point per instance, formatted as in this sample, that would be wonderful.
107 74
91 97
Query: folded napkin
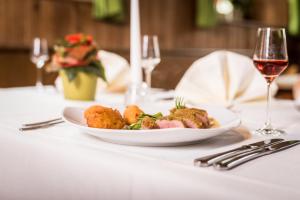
116 70
223 78
296 91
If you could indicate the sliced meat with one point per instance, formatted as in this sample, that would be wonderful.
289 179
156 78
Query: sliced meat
165 123
192 117
190 123
204 119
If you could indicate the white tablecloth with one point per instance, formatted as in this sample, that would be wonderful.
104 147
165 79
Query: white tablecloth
63 163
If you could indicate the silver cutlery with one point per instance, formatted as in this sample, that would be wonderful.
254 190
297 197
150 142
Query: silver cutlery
235 161
42 124
207 161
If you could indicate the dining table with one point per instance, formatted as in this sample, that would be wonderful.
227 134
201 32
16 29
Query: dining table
62 162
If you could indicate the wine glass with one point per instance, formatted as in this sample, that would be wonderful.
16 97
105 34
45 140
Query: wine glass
39 56
150 56
270 58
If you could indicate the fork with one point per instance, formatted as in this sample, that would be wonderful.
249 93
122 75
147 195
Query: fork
42 124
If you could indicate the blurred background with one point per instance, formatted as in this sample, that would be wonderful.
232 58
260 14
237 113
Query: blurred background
187 30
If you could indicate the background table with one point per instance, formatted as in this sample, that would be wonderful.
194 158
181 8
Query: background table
63 163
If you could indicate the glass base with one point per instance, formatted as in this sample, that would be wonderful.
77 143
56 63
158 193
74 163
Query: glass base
136 94
269 132
39 86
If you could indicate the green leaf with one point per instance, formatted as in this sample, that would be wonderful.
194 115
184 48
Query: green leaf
65 43
90 53
100 71
94 67
135 126
71 73
155 116
138 124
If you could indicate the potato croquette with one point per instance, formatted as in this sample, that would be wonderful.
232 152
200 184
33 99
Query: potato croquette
131 114
93 109
103 117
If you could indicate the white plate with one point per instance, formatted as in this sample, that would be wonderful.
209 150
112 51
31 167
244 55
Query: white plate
155 137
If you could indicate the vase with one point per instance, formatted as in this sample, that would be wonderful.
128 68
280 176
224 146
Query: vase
83 87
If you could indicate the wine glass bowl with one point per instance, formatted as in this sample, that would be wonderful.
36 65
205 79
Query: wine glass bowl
39 60
39 56
271 59
150 56
270 69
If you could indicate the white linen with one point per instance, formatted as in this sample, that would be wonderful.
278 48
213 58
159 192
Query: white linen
224 78
62 163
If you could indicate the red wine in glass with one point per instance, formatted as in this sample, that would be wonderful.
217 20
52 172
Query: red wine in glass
270 69
270 58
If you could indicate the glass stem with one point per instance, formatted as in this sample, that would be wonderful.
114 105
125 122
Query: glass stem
148 77
39 77
268 116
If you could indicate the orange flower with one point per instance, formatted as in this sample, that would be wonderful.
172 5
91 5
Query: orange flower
78 37
80 52
89 39
74 38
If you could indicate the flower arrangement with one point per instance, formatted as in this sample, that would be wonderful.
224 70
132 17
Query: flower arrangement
77 53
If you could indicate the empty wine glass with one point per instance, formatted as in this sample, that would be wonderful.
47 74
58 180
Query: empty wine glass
150 56
39 56
271 59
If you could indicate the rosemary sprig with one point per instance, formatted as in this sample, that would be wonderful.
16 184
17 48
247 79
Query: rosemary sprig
138 124
179 103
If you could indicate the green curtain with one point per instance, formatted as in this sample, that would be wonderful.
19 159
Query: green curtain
294 17
110 10
206 15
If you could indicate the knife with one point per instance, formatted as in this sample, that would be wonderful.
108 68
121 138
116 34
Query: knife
210 159
232 162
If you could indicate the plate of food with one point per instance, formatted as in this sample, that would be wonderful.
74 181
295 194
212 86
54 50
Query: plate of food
179 125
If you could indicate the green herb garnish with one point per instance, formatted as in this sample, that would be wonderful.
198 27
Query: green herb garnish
138 124
179 103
